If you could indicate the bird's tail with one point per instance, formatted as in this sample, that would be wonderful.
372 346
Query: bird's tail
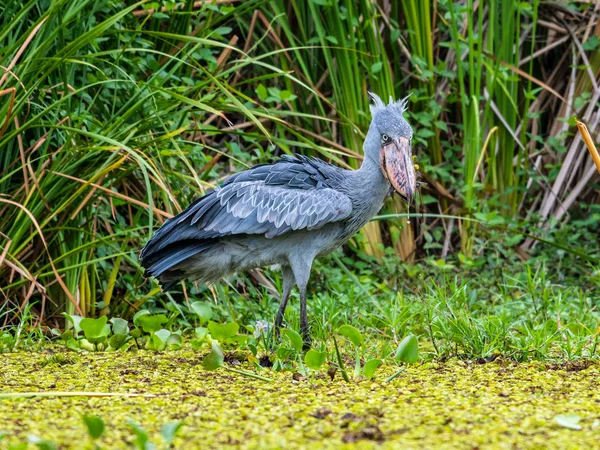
165 263
177 249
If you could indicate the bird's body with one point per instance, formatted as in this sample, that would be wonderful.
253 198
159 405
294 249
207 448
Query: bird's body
286 213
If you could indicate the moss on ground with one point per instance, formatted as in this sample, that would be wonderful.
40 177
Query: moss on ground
442 405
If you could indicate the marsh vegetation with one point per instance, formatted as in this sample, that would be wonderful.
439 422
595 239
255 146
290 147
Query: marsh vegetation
483 296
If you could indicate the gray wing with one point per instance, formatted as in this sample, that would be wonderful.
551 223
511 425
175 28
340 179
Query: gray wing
294 193
251 207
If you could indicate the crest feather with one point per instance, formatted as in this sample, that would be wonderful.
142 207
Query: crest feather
379 105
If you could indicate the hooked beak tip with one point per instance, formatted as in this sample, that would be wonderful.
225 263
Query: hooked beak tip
408 199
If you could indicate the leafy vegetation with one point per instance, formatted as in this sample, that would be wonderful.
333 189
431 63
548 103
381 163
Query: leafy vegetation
481 313
116 117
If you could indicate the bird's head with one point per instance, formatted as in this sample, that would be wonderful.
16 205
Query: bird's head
390 136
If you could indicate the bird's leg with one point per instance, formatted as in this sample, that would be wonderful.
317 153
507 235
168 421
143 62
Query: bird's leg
304 328
301 267
288 283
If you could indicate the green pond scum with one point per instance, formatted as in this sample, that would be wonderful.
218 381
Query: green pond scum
451 404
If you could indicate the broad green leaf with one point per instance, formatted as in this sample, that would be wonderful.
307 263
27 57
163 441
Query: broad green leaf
135 333
376 67
75 320
68 334
202 310
240 339
94 425
160 338
294 338
570 421
119 326
286 95
221 332
214 359
261 91
169 430
284 353
408 350
137 315
197 344
201 332
254 349
42 444
175 341
75 345
95 330
141 435
314 359
152 323
370 367
351 333
592 43
116 341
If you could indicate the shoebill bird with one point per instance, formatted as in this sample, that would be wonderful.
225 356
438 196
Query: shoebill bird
287 213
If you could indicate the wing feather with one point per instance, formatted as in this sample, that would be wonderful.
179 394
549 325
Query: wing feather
276 206
294 193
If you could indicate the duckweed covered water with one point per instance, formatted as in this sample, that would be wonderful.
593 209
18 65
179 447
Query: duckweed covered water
443 405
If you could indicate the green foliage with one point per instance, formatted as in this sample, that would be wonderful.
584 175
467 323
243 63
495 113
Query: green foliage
94 425
408 350
7 341
294 338
329 409
203 311
570 421
96 334
148 322
142 440
168 432
407 353
201 333
351 333
95 429
41 444
95 330
370 367
114 121
223 332
163 339
314 359
214 359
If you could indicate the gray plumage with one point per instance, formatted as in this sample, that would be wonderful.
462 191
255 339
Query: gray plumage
287 213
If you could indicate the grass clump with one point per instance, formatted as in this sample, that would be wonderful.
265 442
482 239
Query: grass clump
115 117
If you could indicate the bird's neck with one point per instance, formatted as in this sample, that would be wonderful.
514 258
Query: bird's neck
369 165
371 149
371 183
370 170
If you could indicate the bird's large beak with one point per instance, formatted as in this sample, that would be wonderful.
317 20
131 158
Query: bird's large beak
398 167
